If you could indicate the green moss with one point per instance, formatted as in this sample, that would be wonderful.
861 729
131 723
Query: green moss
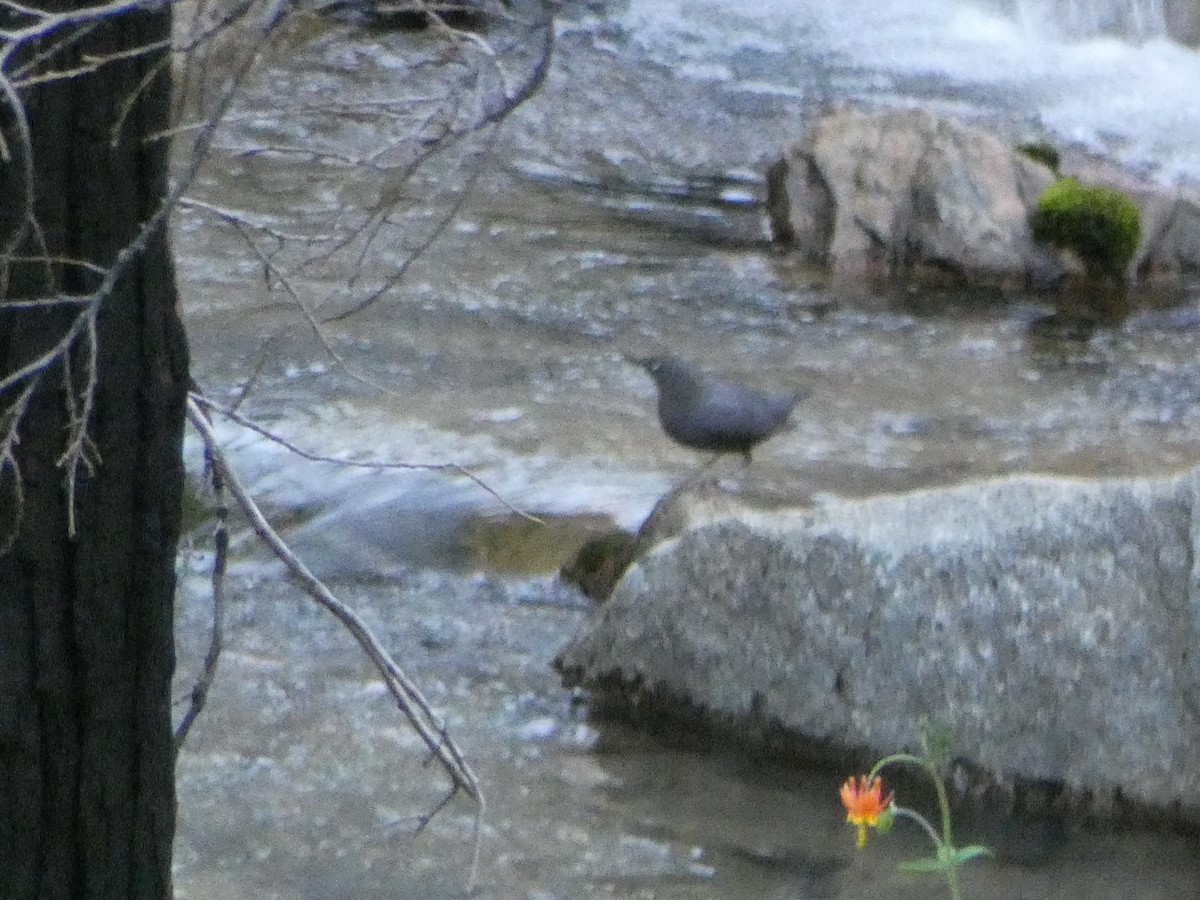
517 543
600 563
1100 225
1043 152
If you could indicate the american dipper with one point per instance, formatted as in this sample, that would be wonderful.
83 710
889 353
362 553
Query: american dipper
708 413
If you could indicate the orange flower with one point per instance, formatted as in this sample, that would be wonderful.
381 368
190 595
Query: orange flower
864 803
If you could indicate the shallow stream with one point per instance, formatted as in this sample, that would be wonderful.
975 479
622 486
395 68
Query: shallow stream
621 214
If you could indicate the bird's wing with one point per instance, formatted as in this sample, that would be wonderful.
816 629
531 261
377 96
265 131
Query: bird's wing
743 412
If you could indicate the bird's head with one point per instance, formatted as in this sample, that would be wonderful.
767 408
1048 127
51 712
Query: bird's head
660 368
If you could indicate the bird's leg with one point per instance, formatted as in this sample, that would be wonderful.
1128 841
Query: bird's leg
696 475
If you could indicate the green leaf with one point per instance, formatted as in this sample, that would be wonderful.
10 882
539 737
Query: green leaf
923 866
966 854
883 824
946 859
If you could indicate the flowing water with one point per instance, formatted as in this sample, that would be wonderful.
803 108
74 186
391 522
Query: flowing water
622 213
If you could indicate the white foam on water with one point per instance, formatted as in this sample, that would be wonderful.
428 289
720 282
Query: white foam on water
1134 97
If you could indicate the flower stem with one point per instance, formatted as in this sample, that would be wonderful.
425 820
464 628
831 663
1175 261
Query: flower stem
906 813
944 844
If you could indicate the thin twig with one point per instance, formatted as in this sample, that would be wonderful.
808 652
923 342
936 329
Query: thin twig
408 697
79 413
491 118
416 252
243 220
47 359
208 671
452 468
10 420
25 203
93 64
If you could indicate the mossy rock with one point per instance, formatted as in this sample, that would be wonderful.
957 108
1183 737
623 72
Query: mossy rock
1043 152
1099 224
600 563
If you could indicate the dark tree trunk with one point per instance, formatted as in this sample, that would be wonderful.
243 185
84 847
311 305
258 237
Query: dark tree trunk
87 802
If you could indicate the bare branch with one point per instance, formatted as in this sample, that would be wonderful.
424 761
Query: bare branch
498 109
451 468
47 359
282 279
79 414
10 435
510 100
428 241
94 63
408 697
47 22
162 63
241 220
45 303
208 672
25 201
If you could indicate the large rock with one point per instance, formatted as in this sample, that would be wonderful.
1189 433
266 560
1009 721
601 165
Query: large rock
876 193
1052 625
1182 18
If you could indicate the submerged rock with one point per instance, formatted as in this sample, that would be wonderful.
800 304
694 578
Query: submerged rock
1051 625
599 564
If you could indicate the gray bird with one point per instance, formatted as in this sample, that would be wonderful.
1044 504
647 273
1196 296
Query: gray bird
708 413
